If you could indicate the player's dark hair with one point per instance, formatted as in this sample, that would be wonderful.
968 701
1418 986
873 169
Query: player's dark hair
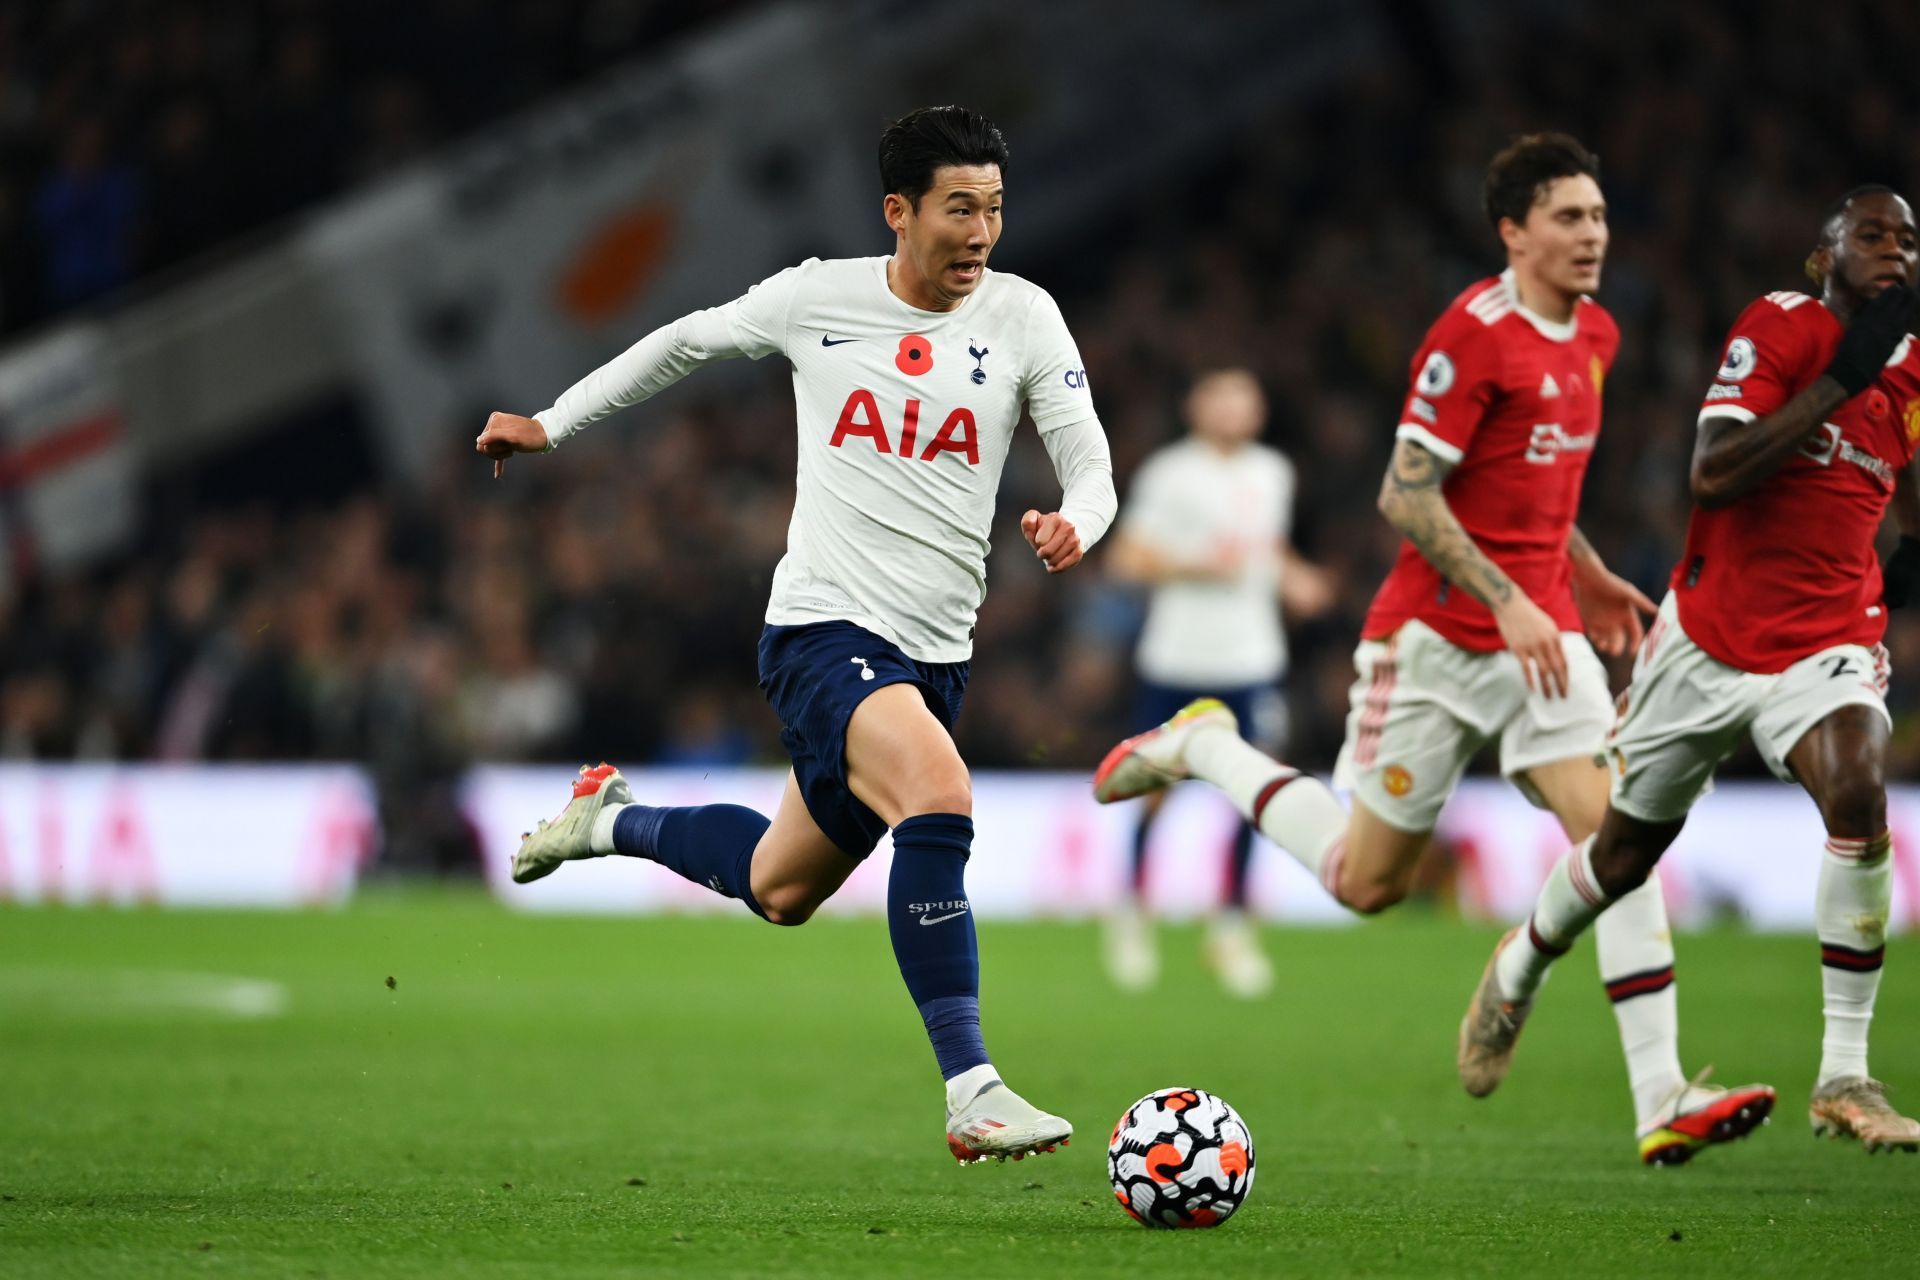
1522 171
1830 220
1830 225
918 143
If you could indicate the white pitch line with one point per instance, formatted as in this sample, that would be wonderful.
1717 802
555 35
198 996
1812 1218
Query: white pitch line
123 992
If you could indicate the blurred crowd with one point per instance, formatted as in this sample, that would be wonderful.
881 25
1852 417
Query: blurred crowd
605 601
136 134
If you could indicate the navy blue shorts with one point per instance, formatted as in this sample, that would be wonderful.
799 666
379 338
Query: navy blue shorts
1258 707
814 676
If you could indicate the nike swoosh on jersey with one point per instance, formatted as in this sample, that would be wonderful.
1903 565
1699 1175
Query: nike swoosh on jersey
949 916
825 341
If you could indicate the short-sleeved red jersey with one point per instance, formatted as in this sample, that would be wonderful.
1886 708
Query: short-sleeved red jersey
1513 401
1790 569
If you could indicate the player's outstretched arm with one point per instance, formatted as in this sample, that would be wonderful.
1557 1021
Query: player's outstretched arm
1411 500
752 325
507 434
1731 456
1610 606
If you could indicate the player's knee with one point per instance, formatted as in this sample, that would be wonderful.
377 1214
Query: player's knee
788 905
947 789
1856 808
1370 897
1621 866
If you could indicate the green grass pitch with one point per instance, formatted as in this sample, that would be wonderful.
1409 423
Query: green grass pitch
586 1097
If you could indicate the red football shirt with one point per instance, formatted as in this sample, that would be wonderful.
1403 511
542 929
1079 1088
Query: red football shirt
1513 401
1790 569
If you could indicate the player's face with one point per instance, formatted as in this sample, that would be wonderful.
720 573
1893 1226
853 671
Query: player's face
1877 245
944 242
1564 241
1227 409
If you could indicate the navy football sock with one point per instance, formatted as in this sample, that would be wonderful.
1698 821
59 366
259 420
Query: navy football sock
931 924
711 844
1238 862
1138 867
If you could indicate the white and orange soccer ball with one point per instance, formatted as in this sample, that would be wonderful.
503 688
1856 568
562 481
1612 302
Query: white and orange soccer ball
1180 1158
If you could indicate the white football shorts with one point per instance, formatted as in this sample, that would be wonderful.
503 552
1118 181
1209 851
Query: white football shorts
1422 706
1685 711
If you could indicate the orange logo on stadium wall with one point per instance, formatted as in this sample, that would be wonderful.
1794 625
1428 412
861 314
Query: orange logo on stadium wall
1912 416
1597 372
612 270
916 355
1396 780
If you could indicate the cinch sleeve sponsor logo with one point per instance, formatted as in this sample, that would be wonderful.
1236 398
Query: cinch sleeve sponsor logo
1077 379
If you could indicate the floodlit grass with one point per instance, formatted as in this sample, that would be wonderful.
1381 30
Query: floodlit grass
244 1094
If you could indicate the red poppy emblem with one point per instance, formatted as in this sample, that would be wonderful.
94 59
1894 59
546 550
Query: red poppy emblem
916 355
1878 406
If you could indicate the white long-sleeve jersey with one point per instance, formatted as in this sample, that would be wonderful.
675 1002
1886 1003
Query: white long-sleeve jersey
905 418
1190 501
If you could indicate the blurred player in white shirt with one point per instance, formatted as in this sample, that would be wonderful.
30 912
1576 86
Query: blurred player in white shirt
1207 527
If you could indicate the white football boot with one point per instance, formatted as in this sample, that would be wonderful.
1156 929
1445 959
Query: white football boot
1857 1107
570 833
1233 952
1490 1029
995 1122
1127 945
1156 758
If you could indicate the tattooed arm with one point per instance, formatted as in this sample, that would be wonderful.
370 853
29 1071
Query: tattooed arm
1411 500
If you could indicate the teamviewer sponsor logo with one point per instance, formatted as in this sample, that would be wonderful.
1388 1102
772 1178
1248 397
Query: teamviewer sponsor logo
939 912
1550 441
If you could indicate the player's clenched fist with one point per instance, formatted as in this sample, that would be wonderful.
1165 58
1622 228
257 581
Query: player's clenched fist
507 434
1053 538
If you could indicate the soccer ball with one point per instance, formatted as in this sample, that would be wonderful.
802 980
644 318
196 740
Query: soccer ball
1180 1158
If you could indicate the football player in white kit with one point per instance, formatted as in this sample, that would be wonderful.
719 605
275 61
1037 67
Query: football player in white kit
910 373
1207 526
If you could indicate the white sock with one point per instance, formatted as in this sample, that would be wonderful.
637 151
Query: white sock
1295 811
1569 901
600 840
1636 964
964 1087
1850 912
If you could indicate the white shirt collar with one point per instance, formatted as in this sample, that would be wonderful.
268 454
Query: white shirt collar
1557 330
